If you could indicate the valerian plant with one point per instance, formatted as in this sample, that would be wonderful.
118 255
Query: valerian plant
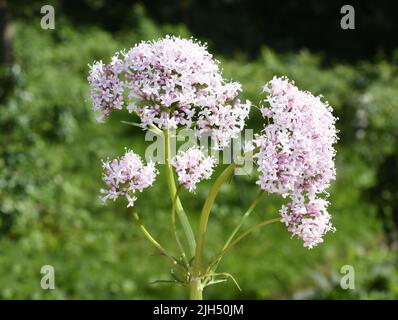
175 83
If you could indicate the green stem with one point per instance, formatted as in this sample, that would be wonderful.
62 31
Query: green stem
244 217
239 238
173 190
204 218
149 236
173 221
196 290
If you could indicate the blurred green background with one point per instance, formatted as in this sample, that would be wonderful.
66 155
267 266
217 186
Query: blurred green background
51 146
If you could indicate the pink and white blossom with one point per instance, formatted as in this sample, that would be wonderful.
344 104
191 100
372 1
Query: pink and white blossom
170 83
192 166
309 221
126 176
106 89
295 150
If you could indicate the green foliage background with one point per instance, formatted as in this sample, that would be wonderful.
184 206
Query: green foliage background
50 174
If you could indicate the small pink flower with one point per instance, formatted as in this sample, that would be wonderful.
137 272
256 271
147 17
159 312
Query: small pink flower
308 221
106 88
126 176
192 166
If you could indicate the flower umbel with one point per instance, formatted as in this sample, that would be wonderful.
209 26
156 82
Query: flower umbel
171 83
309 221
125 176
296 148
192 166
106 89
296 154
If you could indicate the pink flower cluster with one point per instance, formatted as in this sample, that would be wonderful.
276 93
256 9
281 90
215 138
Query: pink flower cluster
227 119
309 221
296 156
125 176
169 83
192 166
106 89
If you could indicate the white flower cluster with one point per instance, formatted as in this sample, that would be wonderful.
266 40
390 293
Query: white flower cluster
296 156
106 89
169 83
192 166
126 176
309 221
